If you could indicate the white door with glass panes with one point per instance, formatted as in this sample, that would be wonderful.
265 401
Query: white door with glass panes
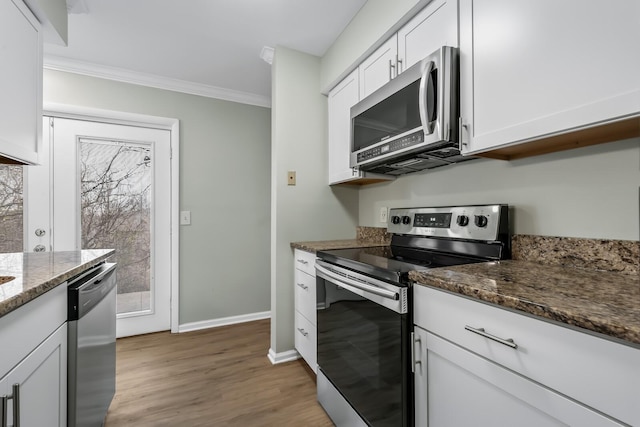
107 186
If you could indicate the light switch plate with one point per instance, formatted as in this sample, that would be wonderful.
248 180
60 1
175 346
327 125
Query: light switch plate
185 217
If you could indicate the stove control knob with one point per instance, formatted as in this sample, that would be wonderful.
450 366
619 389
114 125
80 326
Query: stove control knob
481 221
395 219
406 219
462 220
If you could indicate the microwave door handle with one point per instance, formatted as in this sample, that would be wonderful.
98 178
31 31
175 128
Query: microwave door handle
422 99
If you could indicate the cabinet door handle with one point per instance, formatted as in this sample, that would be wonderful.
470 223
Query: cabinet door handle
303 262
303 332
16 405
480 331
414 339
399 65
464 129
392 69
15 396
303 286
3 411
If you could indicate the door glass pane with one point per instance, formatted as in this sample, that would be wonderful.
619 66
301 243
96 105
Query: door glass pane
115 188
11 218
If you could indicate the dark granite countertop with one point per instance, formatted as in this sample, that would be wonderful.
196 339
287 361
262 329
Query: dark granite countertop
37 272
604 302
327 245
366 237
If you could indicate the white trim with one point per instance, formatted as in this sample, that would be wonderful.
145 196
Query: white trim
285 356
224 321
143 120
58 63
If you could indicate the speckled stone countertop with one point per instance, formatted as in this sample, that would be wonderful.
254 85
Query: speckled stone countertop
36 273
365 237
599 301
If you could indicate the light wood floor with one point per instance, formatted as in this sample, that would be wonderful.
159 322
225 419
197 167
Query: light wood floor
215 377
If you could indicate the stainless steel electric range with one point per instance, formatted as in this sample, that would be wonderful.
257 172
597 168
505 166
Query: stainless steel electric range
365 307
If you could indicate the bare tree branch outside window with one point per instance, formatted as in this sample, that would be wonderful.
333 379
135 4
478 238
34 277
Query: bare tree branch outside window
115 188
11 212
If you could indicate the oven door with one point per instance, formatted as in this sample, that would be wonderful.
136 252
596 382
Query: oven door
363 341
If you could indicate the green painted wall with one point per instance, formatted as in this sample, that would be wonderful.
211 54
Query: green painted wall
310 210
224 181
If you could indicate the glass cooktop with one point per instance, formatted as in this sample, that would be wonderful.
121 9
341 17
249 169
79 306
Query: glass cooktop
391 263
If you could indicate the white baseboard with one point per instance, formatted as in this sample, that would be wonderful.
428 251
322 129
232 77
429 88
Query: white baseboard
214 323
285 356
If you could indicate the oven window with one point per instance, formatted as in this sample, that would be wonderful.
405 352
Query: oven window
360 350
396 114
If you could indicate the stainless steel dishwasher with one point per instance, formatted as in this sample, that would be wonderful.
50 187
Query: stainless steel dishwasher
92 346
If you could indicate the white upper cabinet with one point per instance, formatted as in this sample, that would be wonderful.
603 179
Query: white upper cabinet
378 68
20 84
340 100
433 27
537 69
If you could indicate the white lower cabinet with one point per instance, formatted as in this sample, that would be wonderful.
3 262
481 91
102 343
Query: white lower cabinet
41 379
33 359
305 306
539 374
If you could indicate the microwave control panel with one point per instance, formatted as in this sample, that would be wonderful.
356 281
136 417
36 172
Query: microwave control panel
393 146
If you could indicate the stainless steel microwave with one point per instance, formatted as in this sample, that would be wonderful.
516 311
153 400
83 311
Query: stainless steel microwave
410 123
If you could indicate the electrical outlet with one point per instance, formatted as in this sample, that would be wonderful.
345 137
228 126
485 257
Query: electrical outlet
291 178
384 212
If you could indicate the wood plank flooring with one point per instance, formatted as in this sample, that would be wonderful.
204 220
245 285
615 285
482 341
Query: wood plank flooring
214 377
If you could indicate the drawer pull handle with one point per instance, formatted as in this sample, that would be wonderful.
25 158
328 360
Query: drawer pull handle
480 331
303 262
303 286
303 332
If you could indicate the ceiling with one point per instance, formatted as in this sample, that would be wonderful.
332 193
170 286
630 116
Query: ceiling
210 46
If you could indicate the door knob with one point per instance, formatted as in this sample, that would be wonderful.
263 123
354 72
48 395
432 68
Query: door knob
40 232
39 248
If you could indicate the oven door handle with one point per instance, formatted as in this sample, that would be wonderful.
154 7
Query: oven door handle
350 284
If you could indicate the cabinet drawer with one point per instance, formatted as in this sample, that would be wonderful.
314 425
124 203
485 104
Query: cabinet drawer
599 373
305 295
305 340
27 327
305 261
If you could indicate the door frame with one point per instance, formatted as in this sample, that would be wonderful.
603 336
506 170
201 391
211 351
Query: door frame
142 120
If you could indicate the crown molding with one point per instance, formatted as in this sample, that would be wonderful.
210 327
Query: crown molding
57 63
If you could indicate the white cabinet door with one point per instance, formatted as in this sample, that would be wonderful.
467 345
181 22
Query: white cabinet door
537 68
464 389
42 380
378 68
20 83
306 340
339 103
433 27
